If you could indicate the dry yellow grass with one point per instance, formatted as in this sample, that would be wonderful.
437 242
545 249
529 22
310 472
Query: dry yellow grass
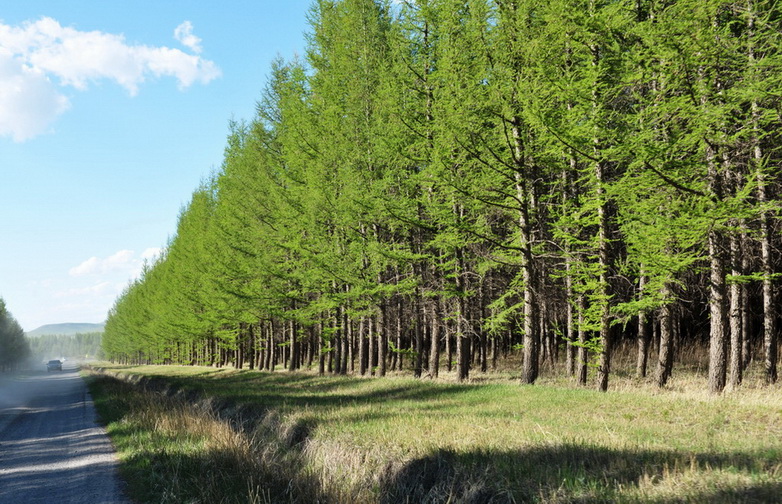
336 439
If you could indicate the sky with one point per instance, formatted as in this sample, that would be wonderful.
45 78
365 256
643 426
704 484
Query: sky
111 114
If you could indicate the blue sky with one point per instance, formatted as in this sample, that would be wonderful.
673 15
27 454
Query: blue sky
111 114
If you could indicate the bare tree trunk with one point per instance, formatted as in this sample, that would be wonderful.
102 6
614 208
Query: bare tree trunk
481 312
251 345
642 342
419 335
449 345
312 347
398 358
717 335
362 345
321 353
530 368
570 329
769 329
382 340
346 343
434 343
746 336
463 349
736 344
665 356
271 360
336 343
373 339
717 339
583 354
294 346
604 364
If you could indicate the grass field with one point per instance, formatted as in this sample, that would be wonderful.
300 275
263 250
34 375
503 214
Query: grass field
221 435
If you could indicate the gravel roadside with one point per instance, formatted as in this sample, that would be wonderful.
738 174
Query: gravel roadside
51 447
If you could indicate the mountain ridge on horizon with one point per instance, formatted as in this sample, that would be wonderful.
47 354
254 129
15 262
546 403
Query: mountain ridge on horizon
66 329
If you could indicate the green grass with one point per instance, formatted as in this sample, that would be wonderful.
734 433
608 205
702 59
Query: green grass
344 439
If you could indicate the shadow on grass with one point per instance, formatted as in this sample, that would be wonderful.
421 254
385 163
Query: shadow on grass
574 473
563 473
567 474
273 390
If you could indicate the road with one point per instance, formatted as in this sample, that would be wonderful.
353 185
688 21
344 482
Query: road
51 448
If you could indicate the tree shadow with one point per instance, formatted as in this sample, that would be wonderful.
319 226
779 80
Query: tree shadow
273 390
556 473
573 473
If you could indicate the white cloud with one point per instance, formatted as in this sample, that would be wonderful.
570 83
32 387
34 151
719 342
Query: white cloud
152 254
91 265
184 34
123 264
122 261
91 287
29 102
33 54
99 289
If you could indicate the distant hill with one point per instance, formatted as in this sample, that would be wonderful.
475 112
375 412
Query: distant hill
66 329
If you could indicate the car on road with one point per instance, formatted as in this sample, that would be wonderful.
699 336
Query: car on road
54 365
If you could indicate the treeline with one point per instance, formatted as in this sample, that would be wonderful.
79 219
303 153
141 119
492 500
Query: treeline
444 181
14 349
73 346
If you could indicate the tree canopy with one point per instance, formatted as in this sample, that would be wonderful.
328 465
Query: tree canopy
445 182
14 347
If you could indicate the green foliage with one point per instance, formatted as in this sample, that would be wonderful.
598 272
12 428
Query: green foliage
479 168
14 346
403 351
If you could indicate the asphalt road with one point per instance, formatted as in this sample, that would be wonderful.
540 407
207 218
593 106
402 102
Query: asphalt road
51 448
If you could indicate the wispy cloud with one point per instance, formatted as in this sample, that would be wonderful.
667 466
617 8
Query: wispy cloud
94 284
38 59
29 101
184 34
123 262
99 289
152 254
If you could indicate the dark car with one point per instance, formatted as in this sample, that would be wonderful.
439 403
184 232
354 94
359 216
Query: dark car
54 365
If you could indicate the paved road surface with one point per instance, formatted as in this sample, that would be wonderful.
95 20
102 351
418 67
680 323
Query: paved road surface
51 449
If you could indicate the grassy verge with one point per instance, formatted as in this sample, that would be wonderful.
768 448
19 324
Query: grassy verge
304 438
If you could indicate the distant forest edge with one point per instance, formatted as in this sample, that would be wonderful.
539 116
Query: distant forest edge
68 329
81 346
449 182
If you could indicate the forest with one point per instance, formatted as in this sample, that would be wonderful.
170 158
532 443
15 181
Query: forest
453 184
14 347
74 346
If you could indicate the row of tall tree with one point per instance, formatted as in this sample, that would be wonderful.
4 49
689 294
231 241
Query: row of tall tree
452 182
14 347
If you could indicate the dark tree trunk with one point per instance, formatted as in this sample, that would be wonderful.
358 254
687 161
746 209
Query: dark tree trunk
642 341
382 340
717 335
362 344
434 342
293 364
583 354
736 331
321 353
665 356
